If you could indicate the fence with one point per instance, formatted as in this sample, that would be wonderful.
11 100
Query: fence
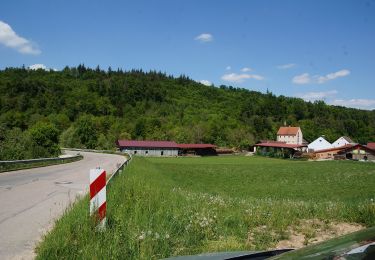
120 168
31 163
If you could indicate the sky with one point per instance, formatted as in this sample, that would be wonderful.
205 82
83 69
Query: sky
312 49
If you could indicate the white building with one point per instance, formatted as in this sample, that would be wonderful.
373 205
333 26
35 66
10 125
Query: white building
290 135
343 140
148 148
319 144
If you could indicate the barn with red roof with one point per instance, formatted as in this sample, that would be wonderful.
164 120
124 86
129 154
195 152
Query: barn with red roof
148 148
164 148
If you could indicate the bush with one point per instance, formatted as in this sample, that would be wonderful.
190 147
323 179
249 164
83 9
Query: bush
43 140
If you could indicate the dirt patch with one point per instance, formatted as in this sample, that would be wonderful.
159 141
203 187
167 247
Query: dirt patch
313 231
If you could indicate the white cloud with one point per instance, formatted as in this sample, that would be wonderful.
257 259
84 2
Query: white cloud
38 66
205 82
330 95
204 37
312 96
302 79
356 103
10 39
237 78
286 66
331 76
305 78
246 69
228 68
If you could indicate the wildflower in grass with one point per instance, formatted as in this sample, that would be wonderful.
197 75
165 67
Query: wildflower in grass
167 236
149 232
142 236
157 236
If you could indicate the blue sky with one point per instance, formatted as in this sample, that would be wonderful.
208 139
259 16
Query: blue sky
310 49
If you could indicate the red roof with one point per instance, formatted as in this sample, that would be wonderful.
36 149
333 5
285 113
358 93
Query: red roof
371 146
280 145
334 149
288 130
148 144
196 146
357 146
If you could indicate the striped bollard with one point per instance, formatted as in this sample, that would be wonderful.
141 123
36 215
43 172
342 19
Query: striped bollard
98 204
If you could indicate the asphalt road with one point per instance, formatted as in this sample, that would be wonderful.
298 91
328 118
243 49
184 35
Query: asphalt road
31 200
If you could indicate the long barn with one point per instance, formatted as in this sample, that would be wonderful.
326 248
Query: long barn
148 148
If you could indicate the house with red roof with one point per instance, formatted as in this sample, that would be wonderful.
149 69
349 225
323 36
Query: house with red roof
289 143
290 135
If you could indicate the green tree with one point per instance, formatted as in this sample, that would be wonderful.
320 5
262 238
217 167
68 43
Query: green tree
44 139
13 144
86 131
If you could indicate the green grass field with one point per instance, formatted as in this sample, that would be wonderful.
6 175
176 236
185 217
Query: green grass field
162 207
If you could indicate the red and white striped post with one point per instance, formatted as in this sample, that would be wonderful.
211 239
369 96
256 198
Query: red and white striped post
98 204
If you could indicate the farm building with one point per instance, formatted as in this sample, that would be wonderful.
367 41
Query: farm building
371 146
197 149
319 144
357 152
279 149
330 153
290 135
343 140
148 148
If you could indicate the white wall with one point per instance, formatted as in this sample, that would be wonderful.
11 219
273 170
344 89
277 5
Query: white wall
144 151
319 144
340 142
291 139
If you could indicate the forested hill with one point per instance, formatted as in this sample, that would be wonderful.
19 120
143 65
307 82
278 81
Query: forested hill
92 108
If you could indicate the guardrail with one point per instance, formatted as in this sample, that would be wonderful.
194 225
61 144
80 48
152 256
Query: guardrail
120 168
31 163
93 151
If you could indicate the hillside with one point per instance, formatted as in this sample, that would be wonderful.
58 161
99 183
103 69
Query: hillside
92 108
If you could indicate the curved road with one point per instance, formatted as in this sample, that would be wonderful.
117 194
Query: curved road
31 200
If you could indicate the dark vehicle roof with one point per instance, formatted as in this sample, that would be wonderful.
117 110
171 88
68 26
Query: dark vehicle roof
356 245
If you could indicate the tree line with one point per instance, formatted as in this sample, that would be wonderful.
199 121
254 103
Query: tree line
92 108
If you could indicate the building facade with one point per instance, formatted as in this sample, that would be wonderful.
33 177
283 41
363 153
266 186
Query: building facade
343 140
357 152
290 135
148 148
319 144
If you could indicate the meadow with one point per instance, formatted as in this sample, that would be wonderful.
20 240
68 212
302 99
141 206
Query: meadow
161 207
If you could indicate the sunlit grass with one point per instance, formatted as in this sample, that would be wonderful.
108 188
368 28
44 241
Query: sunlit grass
161 207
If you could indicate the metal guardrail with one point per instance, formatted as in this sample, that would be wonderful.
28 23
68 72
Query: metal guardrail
11 165
120 168
93 151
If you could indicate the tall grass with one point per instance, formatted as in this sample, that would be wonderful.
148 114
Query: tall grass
162 207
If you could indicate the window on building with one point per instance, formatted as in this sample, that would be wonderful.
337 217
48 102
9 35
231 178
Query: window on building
162 153
135 152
